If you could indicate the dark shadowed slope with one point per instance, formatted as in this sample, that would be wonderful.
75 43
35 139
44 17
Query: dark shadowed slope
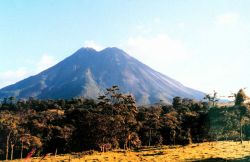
88 72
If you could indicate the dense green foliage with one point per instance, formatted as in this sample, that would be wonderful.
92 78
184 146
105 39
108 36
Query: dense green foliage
113 121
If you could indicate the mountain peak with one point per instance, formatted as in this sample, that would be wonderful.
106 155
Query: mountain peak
113 49
86 49
115 53
88 72
108 50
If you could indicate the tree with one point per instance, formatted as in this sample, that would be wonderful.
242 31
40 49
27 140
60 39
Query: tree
150 125
9 125
171 124
122 107
212 98
243 113
242 110
177 102
240 97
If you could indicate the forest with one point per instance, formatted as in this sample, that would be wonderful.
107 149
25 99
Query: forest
115 121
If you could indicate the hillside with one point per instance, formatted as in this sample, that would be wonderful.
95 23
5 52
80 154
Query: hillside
88 73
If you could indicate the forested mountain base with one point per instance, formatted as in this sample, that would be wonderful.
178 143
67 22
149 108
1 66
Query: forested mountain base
114 122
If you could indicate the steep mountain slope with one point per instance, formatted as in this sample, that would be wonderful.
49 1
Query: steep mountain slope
88 72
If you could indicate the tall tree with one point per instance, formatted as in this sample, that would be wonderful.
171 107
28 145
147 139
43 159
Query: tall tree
212 98
240 97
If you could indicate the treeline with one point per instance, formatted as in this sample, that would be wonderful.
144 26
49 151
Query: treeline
114 121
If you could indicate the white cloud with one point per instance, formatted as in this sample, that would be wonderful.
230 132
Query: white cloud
160 52
227 18
13 76
93 44
45 62
156 51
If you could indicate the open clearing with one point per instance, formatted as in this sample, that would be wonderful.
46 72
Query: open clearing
204 152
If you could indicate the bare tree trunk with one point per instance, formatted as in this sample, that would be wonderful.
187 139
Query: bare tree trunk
241 135
190 141
12 151
126 144
149 141
55 152
21 156
174 137
7 146
241 140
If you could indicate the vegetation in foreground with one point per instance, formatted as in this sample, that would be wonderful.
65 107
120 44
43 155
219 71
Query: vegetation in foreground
199 152
115 122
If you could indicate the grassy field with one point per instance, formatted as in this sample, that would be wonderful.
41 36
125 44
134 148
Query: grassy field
202 152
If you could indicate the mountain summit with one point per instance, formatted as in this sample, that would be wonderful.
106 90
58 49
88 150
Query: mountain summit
88 72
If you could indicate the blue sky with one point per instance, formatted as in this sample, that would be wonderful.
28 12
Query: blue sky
202 44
